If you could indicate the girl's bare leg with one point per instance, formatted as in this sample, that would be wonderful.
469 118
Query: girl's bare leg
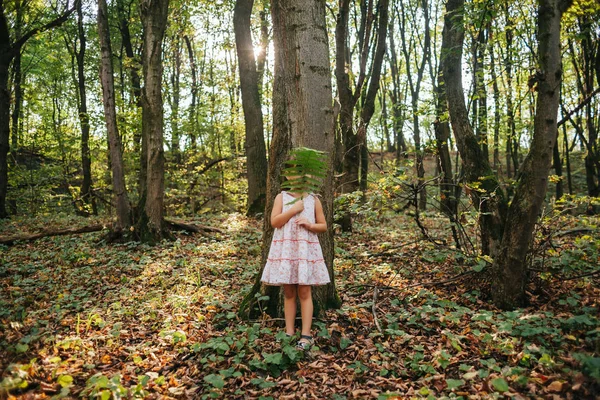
289 308
306 308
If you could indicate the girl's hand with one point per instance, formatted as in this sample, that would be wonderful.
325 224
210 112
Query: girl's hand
298 206
303 222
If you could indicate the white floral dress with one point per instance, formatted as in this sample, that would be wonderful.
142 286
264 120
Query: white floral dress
295 256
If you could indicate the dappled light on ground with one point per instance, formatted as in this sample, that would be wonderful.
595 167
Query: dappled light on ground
83 318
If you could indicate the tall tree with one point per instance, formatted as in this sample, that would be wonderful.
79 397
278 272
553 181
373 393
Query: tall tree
350 92
410 34
510 262
84 118
8 50
483 186
396 95
110 115
154 21
302 116
510 227
17 77
256 156
368 98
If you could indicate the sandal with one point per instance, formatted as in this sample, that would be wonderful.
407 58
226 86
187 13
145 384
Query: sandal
305 342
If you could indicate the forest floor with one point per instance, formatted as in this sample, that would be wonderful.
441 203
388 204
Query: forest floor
79 317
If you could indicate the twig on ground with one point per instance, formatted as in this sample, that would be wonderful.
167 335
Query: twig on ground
424 284
374 309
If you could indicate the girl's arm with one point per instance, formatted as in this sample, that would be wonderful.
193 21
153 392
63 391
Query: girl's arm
320 224
280 218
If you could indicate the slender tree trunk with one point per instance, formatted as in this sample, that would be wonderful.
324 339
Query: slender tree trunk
193 118
567 159
496 91
489 198
511 157
154 20
368 106
511 261
442 137
302 116
389 145
114 140
557 169
17 79
481 91
264 46
351 159
397 100
256 158
175 87
8 50
5 59
84 118
124 15
409 48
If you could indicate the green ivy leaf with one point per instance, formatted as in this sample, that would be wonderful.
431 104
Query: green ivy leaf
215 380
65 380
454 383
500 385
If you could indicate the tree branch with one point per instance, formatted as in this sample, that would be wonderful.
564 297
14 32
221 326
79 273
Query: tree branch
52 24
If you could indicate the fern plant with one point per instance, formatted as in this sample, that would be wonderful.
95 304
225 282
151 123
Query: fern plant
305 170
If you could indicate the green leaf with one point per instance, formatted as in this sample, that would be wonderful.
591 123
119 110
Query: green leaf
274 358
345 342
454 383
500 385
215 381
65 380
21 347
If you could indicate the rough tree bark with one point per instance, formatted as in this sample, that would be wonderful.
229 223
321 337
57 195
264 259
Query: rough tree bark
110 115
510 263
256 158
151 226
302 116
482 185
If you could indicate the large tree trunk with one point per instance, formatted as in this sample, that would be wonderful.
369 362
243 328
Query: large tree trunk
510 262
110 115
84 119
154 20
302 116
256 158
483 186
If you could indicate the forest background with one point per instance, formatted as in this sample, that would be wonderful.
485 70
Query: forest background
135 121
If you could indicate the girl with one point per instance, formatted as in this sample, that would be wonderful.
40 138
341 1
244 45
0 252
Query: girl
295 258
